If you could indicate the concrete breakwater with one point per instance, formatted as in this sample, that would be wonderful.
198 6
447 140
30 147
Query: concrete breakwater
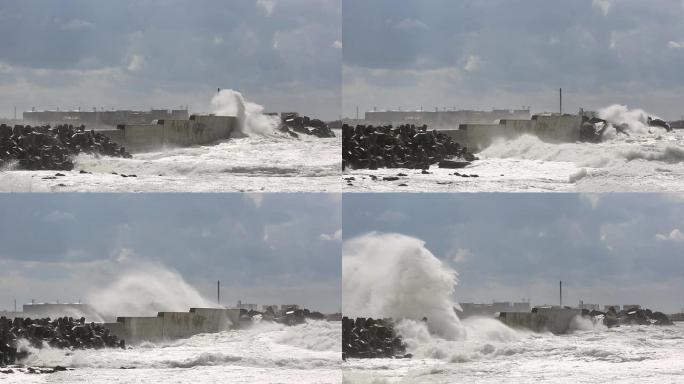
63 332
46 147
371 338
178 325
174 325
405 146
555 320
560 320
551 128
198 130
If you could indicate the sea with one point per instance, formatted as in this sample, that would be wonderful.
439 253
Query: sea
265 353
492 353
642 162
257 163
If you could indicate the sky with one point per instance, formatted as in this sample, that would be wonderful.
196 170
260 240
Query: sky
283 54
265 249
607 248
473 54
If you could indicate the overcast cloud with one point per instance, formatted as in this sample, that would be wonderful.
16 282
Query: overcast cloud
283 54
265 249
612 249
473 54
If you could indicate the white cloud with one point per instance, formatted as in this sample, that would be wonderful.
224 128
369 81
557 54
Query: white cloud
461 255
217 40
675 235
676 44
256 198
602 5
592 198
124 255
337 236
58 216
473 63
136 63
5 68
266 6
392 216
337 44
408 24
76 25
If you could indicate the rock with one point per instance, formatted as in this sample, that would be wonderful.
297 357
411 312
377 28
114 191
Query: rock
46 147
63 332
403 185
390 178
293 124
406 146
655 122
450 164
370 338
401 174
425 172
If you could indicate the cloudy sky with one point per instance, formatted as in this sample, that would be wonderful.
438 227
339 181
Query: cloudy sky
265 249
509 53
283 54
612 249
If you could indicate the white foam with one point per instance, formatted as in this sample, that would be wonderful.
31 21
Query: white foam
393 275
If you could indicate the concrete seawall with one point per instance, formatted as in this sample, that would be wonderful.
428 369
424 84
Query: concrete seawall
198 130
174 325
552 128
554 320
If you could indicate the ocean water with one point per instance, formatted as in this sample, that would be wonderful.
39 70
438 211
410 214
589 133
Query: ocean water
644 162
266 353
269 163
490 354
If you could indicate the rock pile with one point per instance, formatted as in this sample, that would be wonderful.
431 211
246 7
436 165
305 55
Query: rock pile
592 129
405 146
371 338
47 147
294 124
64 332
291 317
612 318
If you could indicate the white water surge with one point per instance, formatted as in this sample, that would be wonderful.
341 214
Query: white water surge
649 160
413 283
265 353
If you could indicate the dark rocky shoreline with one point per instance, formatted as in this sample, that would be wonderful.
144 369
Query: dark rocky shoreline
53 148
63 332
295 124
405 146
371 338
612 318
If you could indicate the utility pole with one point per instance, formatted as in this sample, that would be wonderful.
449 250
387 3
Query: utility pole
15 112
560 293
15 307
560 99
357 112
218 291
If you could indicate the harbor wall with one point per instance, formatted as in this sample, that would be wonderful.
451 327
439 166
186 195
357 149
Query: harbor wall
174 325
198 130
554 320
552 128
